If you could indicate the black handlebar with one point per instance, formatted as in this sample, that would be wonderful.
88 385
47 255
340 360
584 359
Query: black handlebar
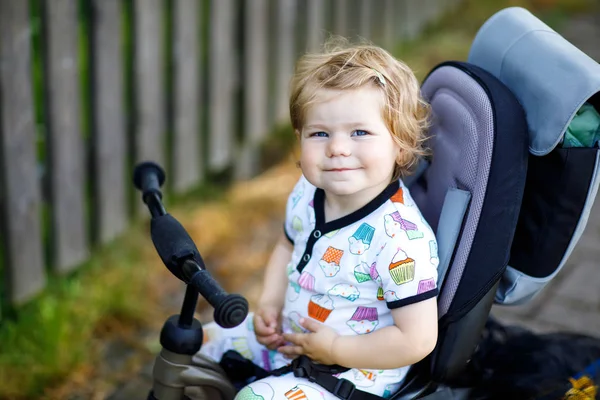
179 253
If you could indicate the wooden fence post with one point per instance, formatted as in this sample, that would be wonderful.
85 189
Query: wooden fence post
413 17
108 121
389 18
365 19
316 24
222 80
24 273
256 68
67 167
149 81
286 55
340 17
187 155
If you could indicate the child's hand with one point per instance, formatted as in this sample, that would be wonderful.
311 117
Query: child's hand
267 327
316 345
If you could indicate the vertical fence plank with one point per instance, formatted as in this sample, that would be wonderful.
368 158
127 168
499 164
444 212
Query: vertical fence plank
316 24
108 127
340 17
256 67
20 184
364 29
376 21
222 81
413 12
389 20
67 167
186 141
149 81
286 54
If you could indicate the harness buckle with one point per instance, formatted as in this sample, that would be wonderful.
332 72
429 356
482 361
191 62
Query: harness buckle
304 368
344 389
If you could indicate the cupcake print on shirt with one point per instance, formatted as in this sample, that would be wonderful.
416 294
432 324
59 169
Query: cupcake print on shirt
307 281
297 224
402 268
240 344
361 272
297 194
293 291
319 307
292 323
433 253
330 262
304 392
426 285
258 391
364 378
398 197
394 224
375 276
349 292
360 241
364 320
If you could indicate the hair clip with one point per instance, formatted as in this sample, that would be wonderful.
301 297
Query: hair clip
379 76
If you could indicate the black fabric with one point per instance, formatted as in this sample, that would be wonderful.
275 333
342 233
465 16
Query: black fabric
514 363
555 195
493 238
241 371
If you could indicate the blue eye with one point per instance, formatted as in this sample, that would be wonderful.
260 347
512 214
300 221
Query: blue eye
359 132
319 134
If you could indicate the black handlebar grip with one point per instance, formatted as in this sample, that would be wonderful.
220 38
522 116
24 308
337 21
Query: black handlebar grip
148 177
230 309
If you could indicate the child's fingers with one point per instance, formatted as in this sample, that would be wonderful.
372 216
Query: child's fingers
270 319
261 328
269 340
275 344
291 351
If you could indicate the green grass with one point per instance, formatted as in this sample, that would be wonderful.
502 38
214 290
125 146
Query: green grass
52 335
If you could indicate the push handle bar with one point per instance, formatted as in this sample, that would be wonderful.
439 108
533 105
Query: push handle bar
179 253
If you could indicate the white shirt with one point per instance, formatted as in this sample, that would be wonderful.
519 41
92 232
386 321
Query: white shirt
349 273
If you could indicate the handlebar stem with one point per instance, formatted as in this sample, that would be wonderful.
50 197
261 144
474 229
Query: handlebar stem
186 317
154 203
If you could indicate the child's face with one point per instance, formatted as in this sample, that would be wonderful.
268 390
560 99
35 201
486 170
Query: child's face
346 148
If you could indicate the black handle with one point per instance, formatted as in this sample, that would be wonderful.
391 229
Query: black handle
148 177
230 309
180 255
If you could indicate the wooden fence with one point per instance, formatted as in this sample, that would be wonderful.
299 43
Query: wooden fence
89 87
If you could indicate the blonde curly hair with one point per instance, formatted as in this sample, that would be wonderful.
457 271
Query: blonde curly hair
342 66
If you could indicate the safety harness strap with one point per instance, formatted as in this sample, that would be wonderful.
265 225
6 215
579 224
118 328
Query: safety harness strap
243 371
303 367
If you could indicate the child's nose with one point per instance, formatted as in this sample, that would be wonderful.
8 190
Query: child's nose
338 146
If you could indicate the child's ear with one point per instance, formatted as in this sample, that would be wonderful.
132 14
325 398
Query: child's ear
297 133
